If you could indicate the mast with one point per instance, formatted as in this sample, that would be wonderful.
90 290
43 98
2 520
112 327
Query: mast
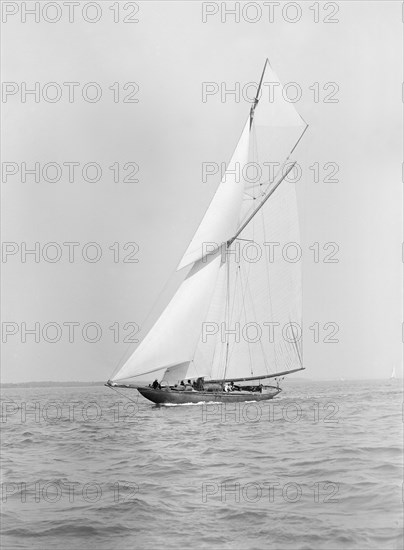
256 99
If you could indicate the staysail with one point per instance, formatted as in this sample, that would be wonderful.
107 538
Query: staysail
222 217
238 311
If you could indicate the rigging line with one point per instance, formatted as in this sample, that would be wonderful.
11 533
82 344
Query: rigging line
282 166
262 193
251 152
245 311
235 291
219 348
268 280
244 225
296 343
255 187
231 313
257 159
268 182
293 148
261 344
217 345
270 191
217 352
232 306
248 288
254 151
242 266
126 397
255 315
227 310
243 293
243 300
261 184
265 186
249 347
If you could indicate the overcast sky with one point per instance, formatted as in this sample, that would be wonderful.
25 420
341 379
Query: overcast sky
169 133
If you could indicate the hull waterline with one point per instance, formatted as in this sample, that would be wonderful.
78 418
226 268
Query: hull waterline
164 396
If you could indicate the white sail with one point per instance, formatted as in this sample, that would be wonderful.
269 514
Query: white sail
260 330
276 129
173 338
257 300
264 297
175 374
209 351
222 217
276 105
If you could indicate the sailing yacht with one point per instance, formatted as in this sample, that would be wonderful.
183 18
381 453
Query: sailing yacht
235 321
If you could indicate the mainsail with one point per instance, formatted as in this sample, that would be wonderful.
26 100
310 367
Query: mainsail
238 312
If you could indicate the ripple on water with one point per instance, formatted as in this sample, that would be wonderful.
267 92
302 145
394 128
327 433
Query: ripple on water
177 477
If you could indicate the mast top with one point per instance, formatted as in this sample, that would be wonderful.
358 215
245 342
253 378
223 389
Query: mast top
257 94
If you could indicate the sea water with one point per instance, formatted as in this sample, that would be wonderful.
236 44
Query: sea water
319 467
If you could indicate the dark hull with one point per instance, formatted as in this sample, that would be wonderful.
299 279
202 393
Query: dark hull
165 396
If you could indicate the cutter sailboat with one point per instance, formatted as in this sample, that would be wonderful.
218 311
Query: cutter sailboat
235 321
